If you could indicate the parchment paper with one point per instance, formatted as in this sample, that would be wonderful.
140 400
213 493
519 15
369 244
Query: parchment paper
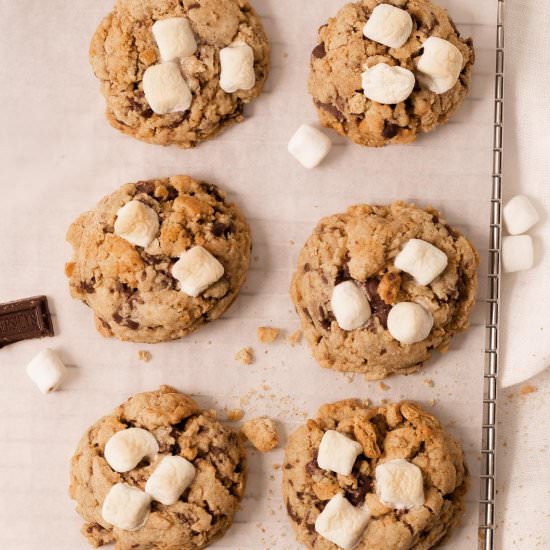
60 157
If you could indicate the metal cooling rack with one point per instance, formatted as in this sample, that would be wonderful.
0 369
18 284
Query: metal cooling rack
488 445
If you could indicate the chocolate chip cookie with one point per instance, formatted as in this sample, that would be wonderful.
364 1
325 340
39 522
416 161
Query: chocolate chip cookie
345 55
204 511
124 47
390 434
125 264
359 249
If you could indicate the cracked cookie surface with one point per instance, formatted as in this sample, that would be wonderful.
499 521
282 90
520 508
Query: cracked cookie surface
361 245
342 55
205 510
130 289
123 47
394 431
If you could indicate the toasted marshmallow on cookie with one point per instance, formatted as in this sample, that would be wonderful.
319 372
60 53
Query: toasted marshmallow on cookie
165 89
137 223
338 453
350 306
399 484
386 84
170 479
389 26
126 507
175 38
237 68
421 259
196 270
439 65
409 322
127 448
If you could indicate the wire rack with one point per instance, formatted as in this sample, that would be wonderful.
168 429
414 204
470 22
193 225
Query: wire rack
488 446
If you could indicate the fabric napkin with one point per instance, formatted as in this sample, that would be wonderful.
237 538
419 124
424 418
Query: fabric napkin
525 336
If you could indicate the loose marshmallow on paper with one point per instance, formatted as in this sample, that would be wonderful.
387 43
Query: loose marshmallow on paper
170 479
126 507
517 253
440 65
389 26
422 260
519 215
386 84
196 270
47 371
350 306
175 38
309 146
338 453
237 68
127 448
165 89
399 484
342 523
409 322
137 223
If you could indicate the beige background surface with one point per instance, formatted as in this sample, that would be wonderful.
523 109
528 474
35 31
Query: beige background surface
60 157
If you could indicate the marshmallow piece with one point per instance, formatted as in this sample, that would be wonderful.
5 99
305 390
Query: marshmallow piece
126 507
137 223
440 65
409 322
165 89
175 38
519 215
350 306
196 270
422 260
389 25
127 448
170 479
399 484
341 522
309 146
237 68
46 370
517 253
338 452
387 85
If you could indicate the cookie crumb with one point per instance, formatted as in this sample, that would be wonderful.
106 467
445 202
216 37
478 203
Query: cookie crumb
526 389
383 387
262 433
432 402
234 415
267 335
276 466
294 338
144 355
245 356
428 382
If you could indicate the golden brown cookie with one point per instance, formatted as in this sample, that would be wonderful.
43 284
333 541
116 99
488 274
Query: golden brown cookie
204 511
123 47
390 432
343 53
360 246
132 289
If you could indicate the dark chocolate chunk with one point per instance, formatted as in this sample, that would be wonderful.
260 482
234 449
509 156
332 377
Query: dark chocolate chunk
331 109
292 514
312 468
172 192
356 495
379 308
193 6
390 130
24 320
212 190
146 187
87 287
307 268
319 51
219 229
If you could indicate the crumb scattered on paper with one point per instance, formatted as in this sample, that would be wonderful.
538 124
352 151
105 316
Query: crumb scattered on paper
144 355
262 433
276 466
234 415
245 356
295 337
429 383
527 389
383 387
267 335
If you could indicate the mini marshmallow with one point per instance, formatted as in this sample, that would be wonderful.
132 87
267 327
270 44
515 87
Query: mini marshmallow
170 479
237 68
137 223
399 484
126 507
517 253
409 322
440 65
47 371
127 448
341 522
309 146
520 215
386 84
338 453
422 260
350 306
165 89
175 38
389 25
196 270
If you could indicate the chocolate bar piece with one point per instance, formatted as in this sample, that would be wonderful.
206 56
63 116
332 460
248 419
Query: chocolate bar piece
25 319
